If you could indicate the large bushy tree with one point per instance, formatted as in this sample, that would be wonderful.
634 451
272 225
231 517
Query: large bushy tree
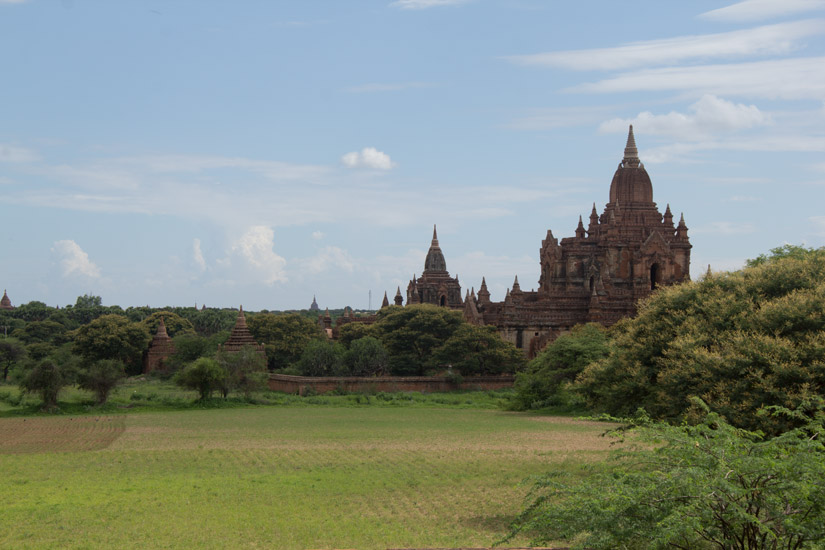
101 377
321 358
475 350
366 356
708 486
204 375
113 337
174 323
285 336
11 352
739 341
48 377
245 370
558 364
412 334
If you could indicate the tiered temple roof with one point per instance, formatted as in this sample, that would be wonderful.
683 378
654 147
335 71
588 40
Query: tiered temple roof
5 303
241 337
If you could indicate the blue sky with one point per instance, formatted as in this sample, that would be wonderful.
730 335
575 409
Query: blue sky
257 153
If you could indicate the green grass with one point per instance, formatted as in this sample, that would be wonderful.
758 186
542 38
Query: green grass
297 476
140 394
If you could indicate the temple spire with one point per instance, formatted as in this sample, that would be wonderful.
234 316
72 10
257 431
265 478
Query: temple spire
631 154
435 236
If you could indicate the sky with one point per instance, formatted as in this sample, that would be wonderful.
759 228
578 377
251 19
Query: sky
258 153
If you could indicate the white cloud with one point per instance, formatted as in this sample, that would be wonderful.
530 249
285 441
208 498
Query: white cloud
317 235
9 153
73 260
256 247
328 258
755 10
708 116
368 157
776 39
795 78
374 87
424 4
197 254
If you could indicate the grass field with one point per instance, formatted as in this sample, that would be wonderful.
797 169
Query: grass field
277 477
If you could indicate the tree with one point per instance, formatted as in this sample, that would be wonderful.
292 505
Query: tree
739 341
204 376
47 378
11 351
707 486
101 377
245 371
474 350
321 358
411 334
366 356
284 336
47 331
189 347
175 324
113 337
351 332
88 301
558 364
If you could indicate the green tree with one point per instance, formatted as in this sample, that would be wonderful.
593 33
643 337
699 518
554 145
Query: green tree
175 324
321 358
707 486
101 377
113 337
558 364
366 356
285 336
739 341
11 351
189 347
474 350
351 332
205 376
245 371
33 311
47 331
46 378
411 334
88 301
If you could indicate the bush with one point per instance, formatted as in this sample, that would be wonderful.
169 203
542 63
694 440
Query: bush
47 378
245 371
101 377
321 358
204 376
560 363
366 357
739 341
693 487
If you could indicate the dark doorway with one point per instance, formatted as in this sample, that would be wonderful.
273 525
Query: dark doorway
654 276
442 301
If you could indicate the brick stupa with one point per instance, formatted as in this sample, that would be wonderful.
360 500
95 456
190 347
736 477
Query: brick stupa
241 337
5 303
160 348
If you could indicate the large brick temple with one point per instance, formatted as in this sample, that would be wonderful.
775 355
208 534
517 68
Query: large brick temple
596 275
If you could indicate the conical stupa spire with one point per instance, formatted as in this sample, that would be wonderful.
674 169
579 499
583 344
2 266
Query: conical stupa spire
435 236
631 154
161 332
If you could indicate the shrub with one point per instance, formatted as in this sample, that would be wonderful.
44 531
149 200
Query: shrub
47 378
204 376
101 377
366 357
693 487
321 358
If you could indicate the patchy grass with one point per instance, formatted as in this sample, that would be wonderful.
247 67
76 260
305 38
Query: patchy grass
150 394
282 477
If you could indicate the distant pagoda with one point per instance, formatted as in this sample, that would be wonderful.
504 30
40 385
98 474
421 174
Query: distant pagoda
5 303
314 305
241 337
160 348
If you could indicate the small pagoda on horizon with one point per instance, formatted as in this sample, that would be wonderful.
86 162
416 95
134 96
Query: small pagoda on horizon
241 337
160 348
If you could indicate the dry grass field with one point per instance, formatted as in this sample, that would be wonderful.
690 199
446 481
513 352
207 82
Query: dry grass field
278 477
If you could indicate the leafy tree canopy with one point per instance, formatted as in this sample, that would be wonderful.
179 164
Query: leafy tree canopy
366 357
474 350
707 486
11 351
285 336
739 341
321 358
101 377
205 376
411 334
559 363
175 324
113 337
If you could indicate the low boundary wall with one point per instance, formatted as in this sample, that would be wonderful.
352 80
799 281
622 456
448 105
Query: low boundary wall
352 384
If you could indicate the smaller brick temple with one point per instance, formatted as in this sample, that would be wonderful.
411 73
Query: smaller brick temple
5 303
435 286
241 337
160 348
